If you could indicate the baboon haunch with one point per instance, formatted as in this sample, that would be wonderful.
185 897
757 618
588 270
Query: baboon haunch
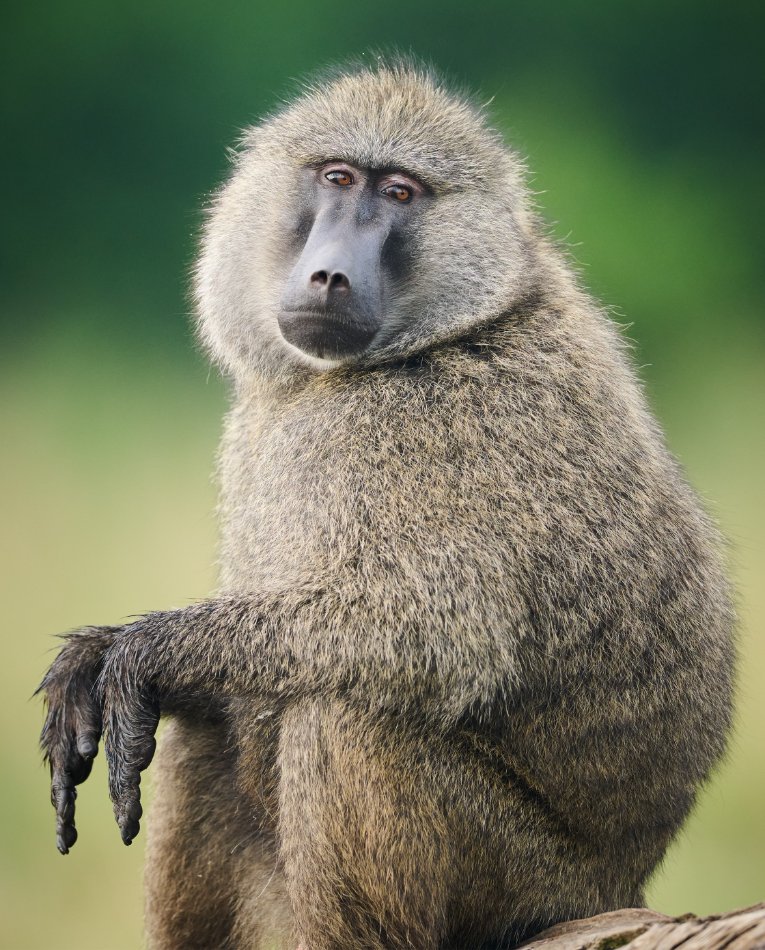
471 655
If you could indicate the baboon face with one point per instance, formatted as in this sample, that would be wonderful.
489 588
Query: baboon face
374 215
351 240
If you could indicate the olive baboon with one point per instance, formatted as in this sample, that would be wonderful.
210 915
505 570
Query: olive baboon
471 657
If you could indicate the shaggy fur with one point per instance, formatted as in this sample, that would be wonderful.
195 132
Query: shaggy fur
471 657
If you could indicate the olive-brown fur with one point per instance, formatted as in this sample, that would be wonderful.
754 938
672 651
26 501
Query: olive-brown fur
471 658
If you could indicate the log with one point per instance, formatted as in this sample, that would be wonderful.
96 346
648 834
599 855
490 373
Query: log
642 929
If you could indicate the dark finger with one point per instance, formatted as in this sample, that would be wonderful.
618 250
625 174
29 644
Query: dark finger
70 754
88 729
63 795
66 767
87 745
130 746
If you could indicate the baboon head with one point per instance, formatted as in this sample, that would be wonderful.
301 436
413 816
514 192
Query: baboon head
375 214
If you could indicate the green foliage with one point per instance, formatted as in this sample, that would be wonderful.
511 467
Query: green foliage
642 123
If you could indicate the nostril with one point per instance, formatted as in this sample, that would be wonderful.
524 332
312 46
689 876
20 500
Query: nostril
323 280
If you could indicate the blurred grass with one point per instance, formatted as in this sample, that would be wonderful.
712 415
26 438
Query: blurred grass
110 506
644 132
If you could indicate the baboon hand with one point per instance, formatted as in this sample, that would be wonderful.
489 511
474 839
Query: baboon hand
131 709
72 727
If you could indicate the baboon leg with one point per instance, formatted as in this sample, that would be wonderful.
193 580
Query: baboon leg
352 848
195 820
264 919
213 878
381 834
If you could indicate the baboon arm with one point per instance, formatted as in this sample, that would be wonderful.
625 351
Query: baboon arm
280 648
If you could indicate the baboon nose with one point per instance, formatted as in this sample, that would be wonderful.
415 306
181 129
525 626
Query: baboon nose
335 281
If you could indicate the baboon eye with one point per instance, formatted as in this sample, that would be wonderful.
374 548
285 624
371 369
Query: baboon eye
339 177
399 192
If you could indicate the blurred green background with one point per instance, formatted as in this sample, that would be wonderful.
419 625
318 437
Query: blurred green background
643 123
